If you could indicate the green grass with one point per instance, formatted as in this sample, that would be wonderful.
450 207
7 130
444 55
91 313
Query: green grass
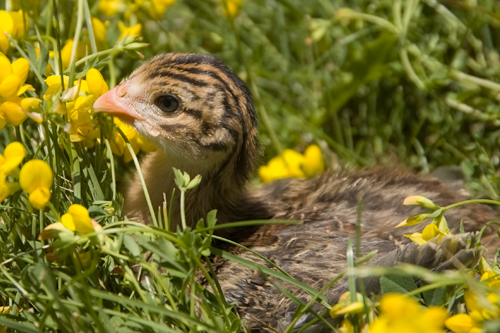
412 82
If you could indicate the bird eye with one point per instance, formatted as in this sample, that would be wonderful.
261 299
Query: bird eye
167 103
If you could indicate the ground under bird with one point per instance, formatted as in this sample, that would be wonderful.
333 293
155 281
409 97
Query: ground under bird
202 118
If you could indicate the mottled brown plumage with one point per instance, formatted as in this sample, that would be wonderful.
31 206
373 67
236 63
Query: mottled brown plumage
202 118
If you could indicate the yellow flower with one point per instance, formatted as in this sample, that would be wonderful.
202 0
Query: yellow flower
12 77
462 323
137 141
96 84
66 53
12 113
111 7
293 164
99 30
36 178
78 219
54 83
402 314
313 163
12 156
159 7
491 279
18 24
11 23
68 49
82 128
134 30
231 7
145 145
4 310
78 107
427 234
480 309
344 306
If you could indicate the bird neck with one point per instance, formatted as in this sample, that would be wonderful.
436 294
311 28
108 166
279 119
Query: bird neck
217 190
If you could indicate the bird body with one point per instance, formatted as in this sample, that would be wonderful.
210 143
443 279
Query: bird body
202 118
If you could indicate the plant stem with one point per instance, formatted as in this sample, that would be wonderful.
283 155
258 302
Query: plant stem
183 211
466 202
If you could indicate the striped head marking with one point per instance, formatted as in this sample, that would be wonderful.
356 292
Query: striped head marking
193 107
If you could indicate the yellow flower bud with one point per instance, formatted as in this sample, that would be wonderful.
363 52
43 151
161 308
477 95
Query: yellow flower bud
420 200
78 219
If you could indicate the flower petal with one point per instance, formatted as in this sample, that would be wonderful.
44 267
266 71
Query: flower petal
430 232
78 219
14 154
5 66
35 174
460 323
6 23
20 68
13 113
96 83
10 86
313 163
39 197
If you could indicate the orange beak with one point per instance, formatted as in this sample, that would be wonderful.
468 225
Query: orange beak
114 103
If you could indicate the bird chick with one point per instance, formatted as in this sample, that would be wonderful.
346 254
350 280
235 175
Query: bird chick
201 116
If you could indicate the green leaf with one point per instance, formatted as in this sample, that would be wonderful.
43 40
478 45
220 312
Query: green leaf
397 284
212 218
434 297
131 245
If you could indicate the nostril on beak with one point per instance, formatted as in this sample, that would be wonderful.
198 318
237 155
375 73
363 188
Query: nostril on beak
121 90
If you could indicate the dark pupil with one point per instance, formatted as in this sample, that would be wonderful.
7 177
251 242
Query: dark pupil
167 103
